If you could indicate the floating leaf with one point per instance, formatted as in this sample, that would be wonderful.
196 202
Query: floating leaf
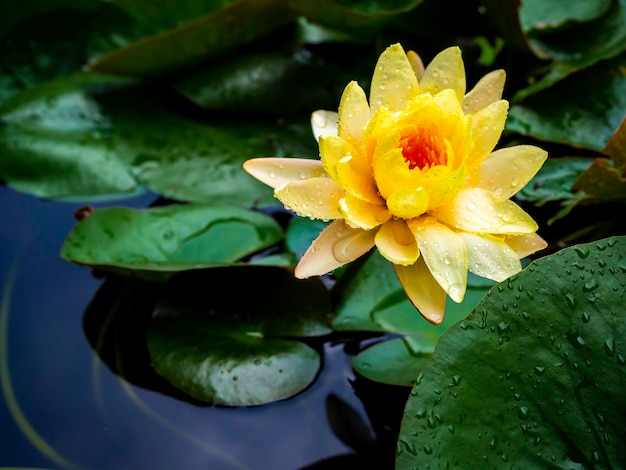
391 362
372 299
534 376
225 335
168 239
212 35
300 234
565 115
275 83
540 15
599 33
88 136
553 181
399 360
55 142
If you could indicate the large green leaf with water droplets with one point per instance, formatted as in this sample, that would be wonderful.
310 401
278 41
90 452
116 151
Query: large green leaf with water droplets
168 239
87 136
566 115
55 141
534 377
227 335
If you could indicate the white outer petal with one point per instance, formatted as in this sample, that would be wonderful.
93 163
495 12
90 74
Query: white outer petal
276 172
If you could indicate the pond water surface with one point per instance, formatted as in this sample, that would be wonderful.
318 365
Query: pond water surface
63 407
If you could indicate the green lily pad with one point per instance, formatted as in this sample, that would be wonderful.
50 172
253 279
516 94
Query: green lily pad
399 360
565 115
534 377
540 15
391 362
156 242
276 83
554 180
205 33
220 346
373 300
600 36
90 136
54 142
300 234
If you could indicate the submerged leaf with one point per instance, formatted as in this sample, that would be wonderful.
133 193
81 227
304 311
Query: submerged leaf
218 345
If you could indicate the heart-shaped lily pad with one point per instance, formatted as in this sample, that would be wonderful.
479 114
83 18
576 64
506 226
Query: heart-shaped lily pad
227 335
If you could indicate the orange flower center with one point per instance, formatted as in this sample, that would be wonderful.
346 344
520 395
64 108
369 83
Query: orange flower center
422 147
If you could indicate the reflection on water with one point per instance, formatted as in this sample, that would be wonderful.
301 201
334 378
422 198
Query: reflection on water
76 402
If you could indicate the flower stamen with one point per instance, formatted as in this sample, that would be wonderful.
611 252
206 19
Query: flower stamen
422 147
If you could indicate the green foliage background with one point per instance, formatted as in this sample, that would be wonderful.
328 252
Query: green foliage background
101 101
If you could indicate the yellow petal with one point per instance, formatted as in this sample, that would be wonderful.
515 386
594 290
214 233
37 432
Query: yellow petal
361 214
423 290
487 90
323 123
332 149
337 245
276 172
442 184
445 71
490 257
487 127
477 210
524 245
395 242
506 171
408 203
357 179
317 198
444 253
354 115
448 101
416 63
394 82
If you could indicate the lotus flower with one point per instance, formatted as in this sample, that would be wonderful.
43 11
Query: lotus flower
413 173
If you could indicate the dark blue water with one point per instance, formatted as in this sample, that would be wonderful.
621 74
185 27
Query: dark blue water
61 406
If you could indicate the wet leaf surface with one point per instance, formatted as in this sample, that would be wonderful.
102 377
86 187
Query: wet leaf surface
90 136
159 241
533 376
563 114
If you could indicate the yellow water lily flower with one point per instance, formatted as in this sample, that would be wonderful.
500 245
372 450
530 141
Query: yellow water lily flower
413 172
